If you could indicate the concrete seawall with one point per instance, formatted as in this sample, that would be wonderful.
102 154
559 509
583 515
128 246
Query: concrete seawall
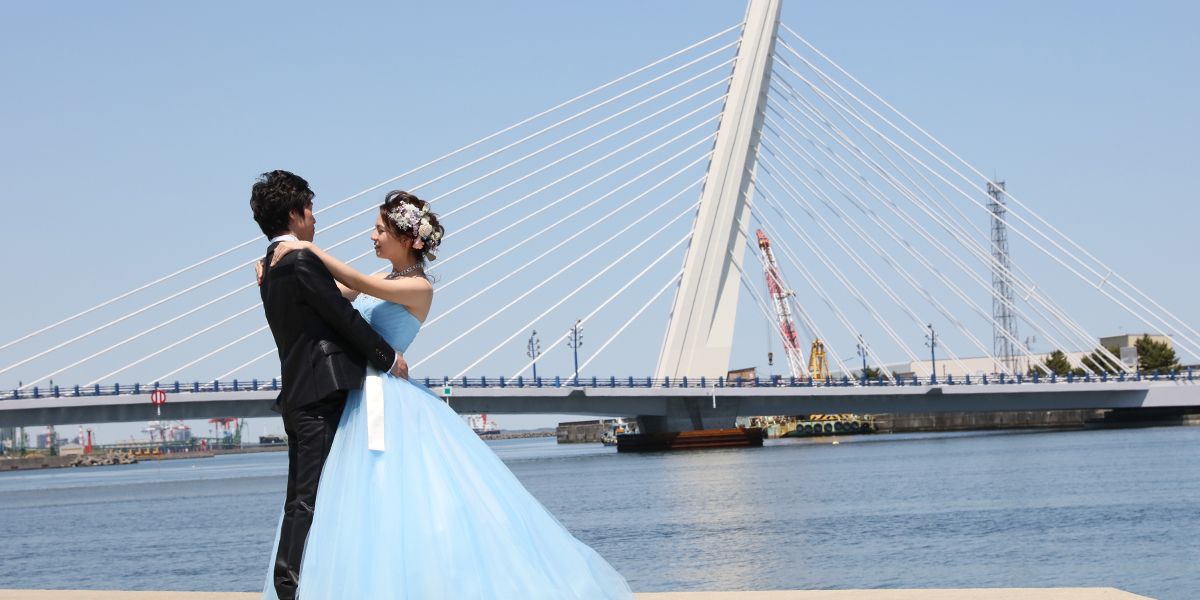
581 432
36 462
982 421
1035 419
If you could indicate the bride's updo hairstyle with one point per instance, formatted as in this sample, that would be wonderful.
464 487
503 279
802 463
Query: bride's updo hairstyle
409 216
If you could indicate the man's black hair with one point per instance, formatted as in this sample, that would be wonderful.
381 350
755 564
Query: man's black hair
274 197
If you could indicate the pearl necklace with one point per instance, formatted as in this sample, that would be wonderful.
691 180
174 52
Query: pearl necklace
397 274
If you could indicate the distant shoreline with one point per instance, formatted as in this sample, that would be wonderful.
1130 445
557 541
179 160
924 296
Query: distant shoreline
37 461
513 435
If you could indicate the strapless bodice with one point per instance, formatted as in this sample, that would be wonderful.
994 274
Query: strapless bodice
393 321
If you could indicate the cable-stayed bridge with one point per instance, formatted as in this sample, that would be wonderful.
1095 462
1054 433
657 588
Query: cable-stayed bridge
632 208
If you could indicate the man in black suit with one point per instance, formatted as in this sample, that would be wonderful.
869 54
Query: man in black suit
324 346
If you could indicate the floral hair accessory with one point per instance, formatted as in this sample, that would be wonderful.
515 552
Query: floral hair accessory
415 221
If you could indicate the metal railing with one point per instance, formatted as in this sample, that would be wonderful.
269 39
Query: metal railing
612 381
118 389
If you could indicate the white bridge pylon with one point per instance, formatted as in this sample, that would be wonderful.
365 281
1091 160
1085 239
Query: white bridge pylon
699 337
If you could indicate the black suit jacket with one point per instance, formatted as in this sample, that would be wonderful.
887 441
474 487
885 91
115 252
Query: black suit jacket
324 344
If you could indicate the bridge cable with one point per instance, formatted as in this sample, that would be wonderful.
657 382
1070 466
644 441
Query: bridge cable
886 257
630 181
379 185
842 188
451 154
1015 229
883 254
583 286
591 183
821 255
955 228
770 170
1072 242
743 228
247 286
672 281
769 313
772 319
1015 214
602 121
806 275
577 260
945 202
445 261
596 310
915 225
441 264
543 148
985 258
965 241
552 249
173 345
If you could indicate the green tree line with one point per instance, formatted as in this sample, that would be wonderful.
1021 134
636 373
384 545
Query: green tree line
1153 357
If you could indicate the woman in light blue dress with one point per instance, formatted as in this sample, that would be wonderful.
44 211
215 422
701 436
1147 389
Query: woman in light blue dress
412 503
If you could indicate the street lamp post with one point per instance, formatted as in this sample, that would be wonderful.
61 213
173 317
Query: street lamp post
931 341
533 351
862 351
574 342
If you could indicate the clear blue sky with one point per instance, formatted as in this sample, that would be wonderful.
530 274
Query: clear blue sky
132 130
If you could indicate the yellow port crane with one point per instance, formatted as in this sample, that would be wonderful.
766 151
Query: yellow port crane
818 365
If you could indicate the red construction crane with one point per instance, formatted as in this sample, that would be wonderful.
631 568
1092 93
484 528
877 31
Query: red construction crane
779 294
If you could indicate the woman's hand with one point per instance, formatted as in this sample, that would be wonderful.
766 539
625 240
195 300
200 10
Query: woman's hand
285 247
258 271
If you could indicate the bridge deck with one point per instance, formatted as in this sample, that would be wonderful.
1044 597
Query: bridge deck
649 401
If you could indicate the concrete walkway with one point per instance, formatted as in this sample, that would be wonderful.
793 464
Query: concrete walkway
964 594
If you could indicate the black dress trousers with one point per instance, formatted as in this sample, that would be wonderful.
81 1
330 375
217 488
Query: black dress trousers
310 430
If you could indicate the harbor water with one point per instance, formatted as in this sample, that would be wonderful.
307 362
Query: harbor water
1116 508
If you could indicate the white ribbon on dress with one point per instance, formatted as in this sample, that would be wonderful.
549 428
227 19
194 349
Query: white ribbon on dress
373 397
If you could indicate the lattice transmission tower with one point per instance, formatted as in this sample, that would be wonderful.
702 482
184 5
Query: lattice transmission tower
1004 326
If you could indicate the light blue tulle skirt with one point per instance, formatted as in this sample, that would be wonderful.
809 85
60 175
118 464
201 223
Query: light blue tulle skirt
436 515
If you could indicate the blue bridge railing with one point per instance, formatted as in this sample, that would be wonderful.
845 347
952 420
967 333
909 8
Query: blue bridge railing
611 381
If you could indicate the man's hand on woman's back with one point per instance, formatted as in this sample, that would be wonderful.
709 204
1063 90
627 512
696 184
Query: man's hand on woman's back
400 367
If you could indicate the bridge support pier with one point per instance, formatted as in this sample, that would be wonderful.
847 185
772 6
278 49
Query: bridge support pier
691 414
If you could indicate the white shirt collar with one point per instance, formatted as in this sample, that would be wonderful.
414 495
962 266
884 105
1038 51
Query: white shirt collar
287 237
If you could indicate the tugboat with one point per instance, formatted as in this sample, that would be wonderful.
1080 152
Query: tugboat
272 440
615 428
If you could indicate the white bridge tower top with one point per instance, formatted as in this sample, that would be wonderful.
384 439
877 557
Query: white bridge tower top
700 331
